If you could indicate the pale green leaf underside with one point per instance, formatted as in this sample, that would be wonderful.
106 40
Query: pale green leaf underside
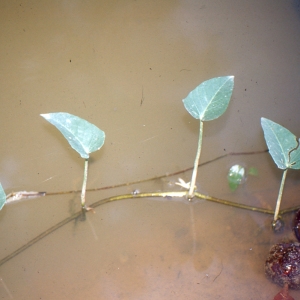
2 197
210 99
83 136
281 142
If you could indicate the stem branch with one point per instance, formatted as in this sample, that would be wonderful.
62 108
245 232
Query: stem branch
279 196
85 173
196 163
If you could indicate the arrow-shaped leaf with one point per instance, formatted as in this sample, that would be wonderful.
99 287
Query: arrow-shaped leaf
83 136
210 99
280 142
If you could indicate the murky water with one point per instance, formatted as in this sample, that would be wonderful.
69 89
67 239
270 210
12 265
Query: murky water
126 66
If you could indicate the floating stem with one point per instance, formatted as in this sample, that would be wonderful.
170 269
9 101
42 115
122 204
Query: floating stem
279 196
166 195
85 173
196 163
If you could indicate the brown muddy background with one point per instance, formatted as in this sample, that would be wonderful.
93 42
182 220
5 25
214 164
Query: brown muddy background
98 60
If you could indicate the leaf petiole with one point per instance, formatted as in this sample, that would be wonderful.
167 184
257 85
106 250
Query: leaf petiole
196 163
278 202
85 174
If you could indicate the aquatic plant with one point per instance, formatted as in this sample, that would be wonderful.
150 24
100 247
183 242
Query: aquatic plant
83 137
207 102
285 151
2 197
238 174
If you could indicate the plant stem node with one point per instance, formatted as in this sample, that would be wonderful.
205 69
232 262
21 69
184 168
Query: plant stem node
278 225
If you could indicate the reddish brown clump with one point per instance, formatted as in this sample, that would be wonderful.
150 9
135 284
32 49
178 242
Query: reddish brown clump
283 265
296 225
284 294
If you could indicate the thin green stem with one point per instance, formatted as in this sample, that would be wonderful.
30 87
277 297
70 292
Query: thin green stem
279 196
85 173
196 163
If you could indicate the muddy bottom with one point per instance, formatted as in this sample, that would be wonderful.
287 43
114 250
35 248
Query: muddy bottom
147 248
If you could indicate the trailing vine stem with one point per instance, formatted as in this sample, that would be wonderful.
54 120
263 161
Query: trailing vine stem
168 195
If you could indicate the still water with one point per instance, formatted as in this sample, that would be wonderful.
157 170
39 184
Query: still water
125 66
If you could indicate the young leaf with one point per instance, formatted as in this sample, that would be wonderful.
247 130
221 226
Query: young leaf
210 99
281 142
2 197
83 136
236 176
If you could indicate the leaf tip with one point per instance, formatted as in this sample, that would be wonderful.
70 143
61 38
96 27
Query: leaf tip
46 116
230 78
263 120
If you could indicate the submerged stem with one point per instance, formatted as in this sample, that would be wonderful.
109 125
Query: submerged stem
166 195
194 175
279 196
85 173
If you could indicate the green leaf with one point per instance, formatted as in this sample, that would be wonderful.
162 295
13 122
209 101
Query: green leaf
2 197
210 99
83 136
281 142
295 158
236 176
